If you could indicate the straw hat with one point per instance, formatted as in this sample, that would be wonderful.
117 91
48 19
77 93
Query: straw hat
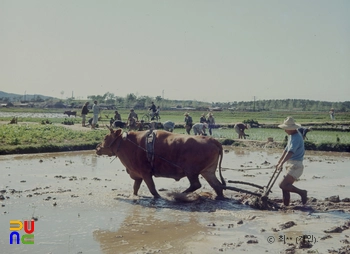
289 124
186 114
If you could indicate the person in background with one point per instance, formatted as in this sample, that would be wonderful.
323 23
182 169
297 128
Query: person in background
331 114
84 112
188 123
202 119
132 119
303 131
116 117
239 128
199 128
169 126
153 110
292 156
211 122
96 112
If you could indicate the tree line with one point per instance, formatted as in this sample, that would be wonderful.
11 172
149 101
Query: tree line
141 102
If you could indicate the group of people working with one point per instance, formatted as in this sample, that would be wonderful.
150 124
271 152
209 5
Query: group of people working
84 111
205 122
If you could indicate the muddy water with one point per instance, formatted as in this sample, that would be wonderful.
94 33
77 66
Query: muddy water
83 204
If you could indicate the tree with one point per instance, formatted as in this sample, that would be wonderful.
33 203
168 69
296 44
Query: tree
109 98
130 99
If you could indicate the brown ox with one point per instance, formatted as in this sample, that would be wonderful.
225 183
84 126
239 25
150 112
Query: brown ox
173 156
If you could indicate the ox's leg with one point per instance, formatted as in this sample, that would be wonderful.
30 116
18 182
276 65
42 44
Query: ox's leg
137 181
150 184
137 184
194 183
213 182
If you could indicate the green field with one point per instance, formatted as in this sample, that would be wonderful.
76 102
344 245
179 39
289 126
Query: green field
177 116
29 137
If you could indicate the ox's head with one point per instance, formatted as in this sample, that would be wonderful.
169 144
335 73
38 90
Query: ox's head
110 143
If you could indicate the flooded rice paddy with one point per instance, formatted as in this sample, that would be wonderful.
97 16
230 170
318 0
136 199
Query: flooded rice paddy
83 203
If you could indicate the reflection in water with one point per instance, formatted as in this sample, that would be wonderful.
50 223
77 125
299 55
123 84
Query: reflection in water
93 162
240 152
143 231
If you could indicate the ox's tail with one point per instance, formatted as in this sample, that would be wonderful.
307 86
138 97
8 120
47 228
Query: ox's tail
221 177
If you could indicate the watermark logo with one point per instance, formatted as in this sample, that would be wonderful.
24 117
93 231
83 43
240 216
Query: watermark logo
16 226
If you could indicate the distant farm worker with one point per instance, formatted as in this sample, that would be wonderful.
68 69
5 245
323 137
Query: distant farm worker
331 114
303 131
169 126
202 119
96 112
132 119
84 112
293 156
239 128
116 117
199 128
153 110
211 122
188 123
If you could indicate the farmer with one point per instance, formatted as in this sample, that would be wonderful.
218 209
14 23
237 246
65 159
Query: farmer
239 128
84 112
211 122
132 119
293 156
169 126
199 128
188 123
303 131
153 110
331 114
202 119
96 111
117 117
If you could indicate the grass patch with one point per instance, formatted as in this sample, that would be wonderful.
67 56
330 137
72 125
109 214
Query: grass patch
32 138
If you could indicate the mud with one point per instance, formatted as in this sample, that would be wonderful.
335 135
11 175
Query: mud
82 203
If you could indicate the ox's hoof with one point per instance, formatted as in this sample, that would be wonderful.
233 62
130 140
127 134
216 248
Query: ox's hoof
220 198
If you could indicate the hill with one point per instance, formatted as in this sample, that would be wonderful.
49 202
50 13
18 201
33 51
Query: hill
22 97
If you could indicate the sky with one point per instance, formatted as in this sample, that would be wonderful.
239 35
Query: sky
214 51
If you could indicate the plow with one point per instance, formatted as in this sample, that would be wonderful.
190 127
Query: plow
261 194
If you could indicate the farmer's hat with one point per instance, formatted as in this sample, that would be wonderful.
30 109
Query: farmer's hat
186 114
289 124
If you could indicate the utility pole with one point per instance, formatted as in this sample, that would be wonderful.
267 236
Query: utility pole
254 104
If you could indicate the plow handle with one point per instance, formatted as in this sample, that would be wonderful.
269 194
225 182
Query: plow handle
272 181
